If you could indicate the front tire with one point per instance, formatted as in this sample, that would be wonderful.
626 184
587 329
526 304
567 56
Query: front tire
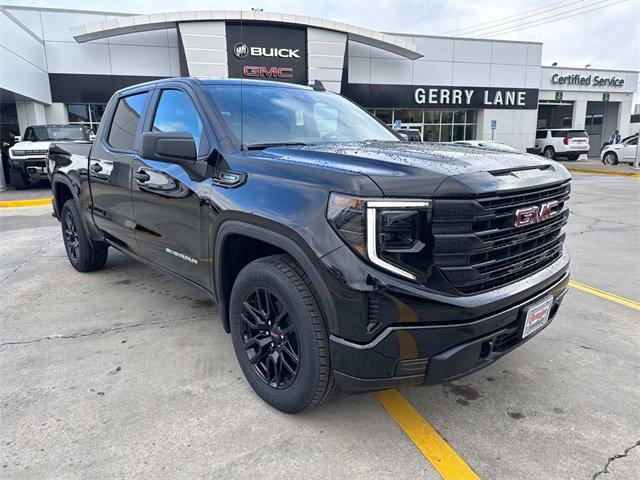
19 180
279 335
610 158
550 153
84 254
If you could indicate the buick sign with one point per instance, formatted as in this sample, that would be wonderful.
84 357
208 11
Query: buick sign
240 50
264 51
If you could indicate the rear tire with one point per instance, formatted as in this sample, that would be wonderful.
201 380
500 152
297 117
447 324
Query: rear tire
550 153
610 158
84 254
573 157
275 317
18 179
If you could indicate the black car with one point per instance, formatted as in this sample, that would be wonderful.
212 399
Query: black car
340 256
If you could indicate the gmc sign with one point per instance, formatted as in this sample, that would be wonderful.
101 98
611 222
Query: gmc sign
250 71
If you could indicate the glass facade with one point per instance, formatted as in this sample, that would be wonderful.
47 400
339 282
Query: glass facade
87 114
434 125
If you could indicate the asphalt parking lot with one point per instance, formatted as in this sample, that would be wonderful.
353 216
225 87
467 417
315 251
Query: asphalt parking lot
125 372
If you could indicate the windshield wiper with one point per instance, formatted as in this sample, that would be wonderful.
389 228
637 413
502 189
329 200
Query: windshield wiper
261 146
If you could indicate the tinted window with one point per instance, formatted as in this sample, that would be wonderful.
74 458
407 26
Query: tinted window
541 134
633 142
124 126
177 113
558 133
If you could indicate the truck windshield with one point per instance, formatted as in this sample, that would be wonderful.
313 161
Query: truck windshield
272 116
58 132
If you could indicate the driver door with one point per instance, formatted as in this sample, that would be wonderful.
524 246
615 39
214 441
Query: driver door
169 200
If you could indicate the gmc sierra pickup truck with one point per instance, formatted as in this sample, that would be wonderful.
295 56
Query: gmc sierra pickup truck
340 256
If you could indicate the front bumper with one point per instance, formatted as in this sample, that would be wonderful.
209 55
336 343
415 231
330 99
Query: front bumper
32 167
433 353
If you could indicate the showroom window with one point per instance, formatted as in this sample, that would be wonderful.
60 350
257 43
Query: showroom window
88 114
434 125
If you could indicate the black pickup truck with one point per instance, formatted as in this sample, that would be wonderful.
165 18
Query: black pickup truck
340 255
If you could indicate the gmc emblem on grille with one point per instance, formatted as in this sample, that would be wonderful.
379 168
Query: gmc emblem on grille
535 214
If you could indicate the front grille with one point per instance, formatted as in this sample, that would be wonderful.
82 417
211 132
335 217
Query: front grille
477 247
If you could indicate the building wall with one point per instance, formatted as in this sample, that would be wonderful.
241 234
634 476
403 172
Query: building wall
450 62
23 60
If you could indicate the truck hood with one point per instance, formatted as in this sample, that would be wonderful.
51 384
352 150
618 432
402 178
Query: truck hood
420 169
21 146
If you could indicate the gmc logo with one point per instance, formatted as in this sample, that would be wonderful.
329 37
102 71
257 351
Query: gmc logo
535 214
267 72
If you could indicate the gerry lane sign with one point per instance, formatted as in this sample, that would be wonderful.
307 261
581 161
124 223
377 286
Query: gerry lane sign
411 96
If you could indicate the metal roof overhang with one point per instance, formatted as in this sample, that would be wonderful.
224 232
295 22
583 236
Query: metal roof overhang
142 23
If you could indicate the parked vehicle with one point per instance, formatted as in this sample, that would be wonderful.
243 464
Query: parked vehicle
339 255
562 142
27 157
624 152
411 135
488 144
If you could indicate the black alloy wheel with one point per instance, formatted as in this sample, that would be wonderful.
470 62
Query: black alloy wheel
270 338
71 241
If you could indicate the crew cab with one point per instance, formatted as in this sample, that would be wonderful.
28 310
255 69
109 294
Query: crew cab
27 157
339 255
562 142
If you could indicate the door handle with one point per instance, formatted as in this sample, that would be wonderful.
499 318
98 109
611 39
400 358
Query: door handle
141 176
96 167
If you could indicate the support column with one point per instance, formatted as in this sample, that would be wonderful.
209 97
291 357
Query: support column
579 113
30 113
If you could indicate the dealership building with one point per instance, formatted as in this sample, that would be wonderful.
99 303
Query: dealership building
59 66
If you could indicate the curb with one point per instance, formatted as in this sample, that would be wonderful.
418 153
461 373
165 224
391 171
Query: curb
590 171
34 202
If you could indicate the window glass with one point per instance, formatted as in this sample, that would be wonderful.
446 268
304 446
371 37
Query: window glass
432 116
458 116
409 116
458 132
96 112
541 134
633 142
126 118
78 113
385 115
471 116
326 117
432 133
445 133
558 133
177 113
470 132
577 134
284 115
447 116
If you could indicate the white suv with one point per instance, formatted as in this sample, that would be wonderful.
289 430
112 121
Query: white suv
620 152
562 142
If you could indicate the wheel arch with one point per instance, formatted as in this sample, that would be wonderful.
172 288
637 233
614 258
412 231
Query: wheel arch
268 242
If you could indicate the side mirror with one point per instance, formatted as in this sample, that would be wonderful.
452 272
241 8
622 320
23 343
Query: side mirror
178 148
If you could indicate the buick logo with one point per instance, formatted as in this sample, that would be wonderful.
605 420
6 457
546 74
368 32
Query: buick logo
530 215
241 50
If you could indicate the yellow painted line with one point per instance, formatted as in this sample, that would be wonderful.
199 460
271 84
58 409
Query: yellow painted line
593 171
444 459
602 294
33 202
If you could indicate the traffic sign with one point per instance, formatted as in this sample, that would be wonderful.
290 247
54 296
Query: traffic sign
494 124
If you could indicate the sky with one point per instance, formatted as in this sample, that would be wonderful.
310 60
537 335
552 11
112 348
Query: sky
602 33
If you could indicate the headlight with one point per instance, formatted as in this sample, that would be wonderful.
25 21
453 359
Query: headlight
18 153
386 232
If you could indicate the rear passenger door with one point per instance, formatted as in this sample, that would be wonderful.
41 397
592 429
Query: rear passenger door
110 166
170 200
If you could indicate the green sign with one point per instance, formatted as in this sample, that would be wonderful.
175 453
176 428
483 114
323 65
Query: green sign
558 96
605 97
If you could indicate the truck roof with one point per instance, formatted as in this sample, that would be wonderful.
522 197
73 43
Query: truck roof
217 81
